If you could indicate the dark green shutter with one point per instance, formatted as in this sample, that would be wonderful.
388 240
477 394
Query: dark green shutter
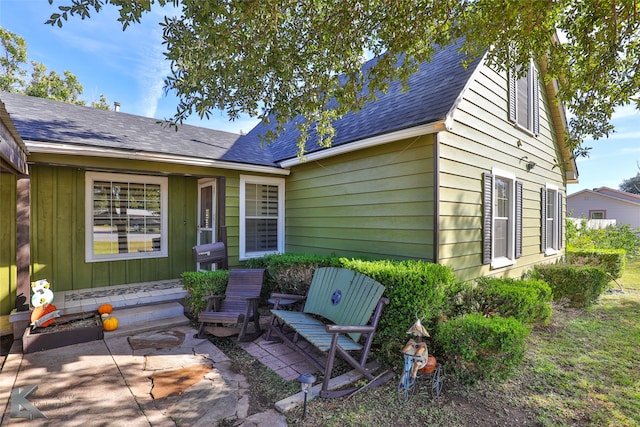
518 219
543 222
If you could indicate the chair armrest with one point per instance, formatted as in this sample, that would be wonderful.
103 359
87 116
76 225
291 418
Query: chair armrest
286 299
350 329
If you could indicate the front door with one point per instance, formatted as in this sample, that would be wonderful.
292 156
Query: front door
206 217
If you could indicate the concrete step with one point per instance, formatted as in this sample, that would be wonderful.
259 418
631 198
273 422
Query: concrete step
132 320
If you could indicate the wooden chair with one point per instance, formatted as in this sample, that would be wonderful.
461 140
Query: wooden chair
238 305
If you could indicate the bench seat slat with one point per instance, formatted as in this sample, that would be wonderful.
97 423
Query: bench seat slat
314 330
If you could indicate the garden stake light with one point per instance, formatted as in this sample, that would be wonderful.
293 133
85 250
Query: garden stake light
306 381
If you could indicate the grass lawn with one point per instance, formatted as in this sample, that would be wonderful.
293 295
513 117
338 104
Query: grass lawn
580 370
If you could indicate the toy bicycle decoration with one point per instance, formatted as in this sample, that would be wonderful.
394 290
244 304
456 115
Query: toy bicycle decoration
419 366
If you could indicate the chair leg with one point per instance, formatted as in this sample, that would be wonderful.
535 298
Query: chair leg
200 330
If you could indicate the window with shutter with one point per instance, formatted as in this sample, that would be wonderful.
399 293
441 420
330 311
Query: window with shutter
551 224
524 100
502 219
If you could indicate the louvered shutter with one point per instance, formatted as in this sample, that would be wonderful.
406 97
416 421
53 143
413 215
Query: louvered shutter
536 102
487 219
518 219
560 220
513 95
543 228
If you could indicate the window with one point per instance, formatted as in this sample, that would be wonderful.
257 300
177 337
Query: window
126 217
597 215
524 101
502 219
261 216
551 219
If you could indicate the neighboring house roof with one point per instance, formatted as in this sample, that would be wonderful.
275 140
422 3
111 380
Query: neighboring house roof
610 193
433 92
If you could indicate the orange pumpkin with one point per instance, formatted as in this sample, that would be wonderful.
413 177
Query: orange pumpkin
110 324
40 311
430 366
105 309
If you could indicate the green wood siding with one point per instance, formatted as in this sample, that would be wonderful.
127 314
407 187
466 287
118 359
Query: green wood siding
377 202
58 233
482 138
8 271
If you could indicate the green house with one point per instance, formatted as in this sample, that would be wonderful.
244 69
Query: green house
468 168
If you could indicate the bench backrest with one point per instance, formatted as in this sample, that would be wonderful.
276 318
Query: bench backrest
343 296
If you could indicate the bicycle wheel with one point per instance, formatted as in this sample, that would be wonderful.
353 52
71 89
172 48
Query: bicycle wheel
437 382
407 387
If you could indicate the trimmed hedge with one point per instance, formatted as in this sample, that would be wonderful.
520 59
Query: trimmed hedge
526 300
580 285
201 284
612 261
482 348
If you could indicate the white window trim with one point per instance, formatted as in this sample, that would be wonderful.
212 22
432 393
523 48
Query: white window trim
249 179
90 178
549 250
500 262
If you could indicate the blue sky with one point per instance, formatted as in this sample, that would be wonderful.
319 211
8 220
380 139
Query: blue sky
129 67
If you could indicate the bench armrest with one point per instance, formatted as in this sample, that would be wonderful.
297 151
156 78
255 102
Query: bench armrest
350 329
288 296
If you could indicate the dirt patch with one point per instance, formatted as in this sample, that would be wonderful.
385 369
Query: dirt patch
175 382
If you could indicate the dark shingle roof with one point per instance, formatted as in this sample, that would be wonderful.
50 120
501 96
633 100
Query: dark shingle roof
433 91
44 120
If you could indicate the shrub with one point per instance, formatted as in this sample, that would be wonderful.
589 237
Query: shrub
415 289
201 284
526 300
612 261
580 285
289 273
478 347
611 237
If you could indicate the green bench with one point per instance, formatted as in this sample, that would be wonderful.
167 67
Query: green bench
341 307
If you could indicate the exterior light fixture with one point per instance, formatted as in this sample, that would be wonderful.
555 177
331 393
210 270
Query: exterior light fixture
306 381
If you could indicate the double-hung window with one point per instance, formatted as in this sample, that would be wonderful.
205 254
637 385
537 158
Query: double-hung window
524 100
551 219
261 216
126 216
502 219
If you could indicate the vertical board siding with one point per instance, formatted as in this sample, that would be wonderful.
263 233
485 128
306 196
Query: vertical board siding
481 139
377 202
58 233
8 269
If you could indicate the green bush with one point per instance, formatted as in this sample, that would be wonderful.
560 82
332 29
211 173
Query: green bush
611 237
290 273
612 261
477 347
415 289
201 284
580 285
526 300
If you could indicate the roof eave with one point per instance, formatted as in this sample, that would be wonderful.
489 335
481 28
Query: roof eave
373 141
78 150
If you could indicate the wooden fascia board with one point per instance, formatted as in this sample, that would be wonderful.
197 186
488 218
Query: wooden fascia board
76 150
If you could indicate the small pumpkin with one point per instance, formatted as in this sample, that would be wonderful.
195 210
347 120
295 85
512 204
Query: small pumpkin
110 324
41 311
430 366
105 309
